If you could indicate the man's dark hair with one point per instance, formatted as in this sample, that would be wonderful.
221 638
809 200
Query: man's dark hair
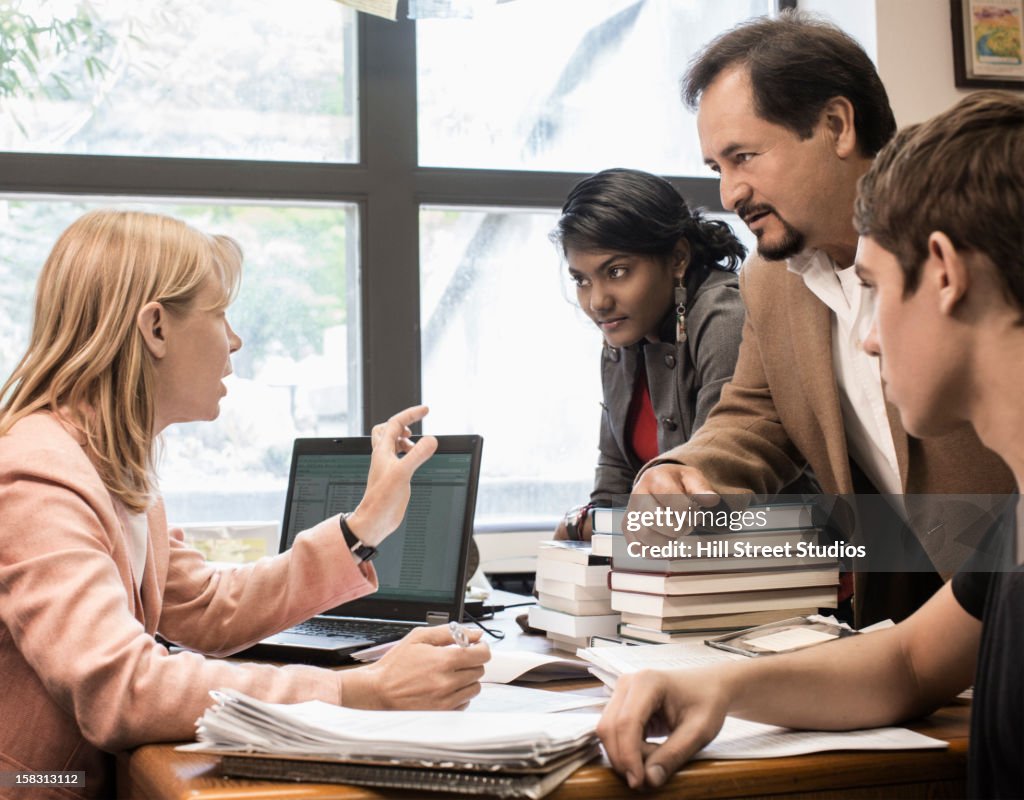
797 64
961 173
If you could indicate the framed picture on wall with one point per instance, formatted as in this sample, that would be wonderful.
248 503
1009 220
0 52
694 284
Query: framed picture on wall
988 43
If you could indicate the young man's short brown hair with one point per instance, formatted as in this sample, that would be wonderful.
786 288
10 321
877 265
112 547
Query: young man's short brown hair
961 173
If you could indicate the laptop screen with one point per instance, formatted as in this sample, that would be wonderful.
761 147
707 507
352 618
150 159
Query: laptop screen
422 562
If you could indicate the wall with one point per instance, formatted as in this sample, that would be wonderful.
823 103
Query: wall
911 44
915 57
856 17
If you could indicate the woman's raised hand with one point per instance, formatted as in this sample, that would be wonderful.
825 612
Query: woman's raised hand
395 458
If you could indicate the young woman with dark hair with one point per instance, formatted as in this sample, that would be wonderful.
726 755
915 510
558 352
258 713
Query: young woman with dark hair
660 282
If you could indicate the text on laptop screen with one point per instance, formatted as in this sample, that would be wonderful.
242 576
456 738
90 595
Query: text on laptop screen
419 560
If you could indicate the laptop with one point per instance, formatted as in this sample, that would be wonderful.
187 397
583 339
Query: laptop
421 567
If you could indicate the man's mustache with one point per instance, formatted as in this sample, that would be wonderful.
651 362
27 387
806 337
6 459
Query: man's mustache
747 211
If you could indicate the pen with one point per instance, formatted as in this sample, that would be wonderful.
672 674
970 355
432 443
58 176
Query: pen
458 634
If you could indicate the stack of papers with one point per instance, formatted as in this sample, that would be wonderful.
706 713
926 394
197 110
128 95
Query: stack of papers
507 755
240 723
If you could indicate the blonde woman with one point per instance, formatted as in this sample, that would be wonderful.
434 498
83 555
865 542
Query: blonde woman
129 337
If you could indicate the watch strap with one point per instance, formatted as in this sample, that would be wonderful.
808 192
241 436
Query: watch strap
574 519
360 551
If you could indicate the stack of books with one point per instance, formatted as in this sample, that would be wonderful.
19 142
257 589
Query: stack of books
720 580
573 595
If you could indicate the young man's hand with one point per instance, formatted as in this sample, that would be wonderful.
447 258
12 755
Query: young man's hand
688 706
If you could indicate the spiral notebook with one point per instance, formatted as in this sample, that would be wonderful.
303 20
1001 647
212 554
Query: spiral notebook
505 784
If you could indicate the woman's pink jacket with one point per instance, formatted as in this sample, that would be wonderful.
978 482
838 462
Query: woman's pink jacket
80 671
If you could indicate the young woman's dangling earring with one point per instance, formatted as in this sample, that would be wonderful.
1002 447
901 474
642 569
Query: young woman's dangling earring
680 311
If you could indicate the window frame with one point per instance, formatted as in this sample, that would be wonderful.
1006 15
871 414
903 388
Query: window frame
387 184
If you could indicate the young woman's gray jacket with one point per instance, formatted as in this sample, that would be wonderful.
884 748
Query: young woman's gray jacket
684 378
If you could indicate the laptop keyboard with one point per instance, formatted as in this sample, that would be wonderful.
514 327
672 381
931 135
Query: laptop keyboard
354 628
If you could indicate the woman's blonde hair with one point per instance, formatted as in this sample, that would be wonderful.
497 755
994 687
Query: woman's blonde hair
86 358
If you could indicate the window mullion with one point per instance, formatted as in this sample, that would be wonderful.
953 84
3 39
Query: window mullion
390 220
525 189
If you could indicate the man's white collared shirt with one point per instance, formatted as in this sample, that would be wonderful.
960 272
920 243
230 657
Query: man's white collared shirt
858 375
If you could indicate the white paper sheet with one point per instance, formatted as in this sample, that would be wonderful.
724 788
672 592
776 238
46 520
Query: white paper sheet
509 665
793 639
500 698
740 738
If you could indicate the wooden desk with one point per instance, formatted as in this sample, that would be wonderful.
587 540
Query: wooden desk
161 773
158 772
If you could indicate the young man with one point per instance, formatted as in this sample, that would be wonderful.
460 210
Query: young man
942 250
791 112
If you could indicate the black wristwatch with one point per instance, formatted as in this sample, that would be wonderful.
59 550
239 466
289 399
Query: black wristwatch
360 552
574 519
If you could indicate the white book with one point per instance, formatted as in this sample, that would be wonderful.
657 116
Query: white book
758 518
571 591
580 574
607 520
568 625
728 552
729 603
567 647
627 631
719 582
575 642
569 552
581 608
601 544
703 622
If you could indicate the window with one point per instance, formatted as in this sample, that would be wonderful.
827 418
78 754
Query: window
295 373
392 184
504 350
504 342
570 87
231 79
